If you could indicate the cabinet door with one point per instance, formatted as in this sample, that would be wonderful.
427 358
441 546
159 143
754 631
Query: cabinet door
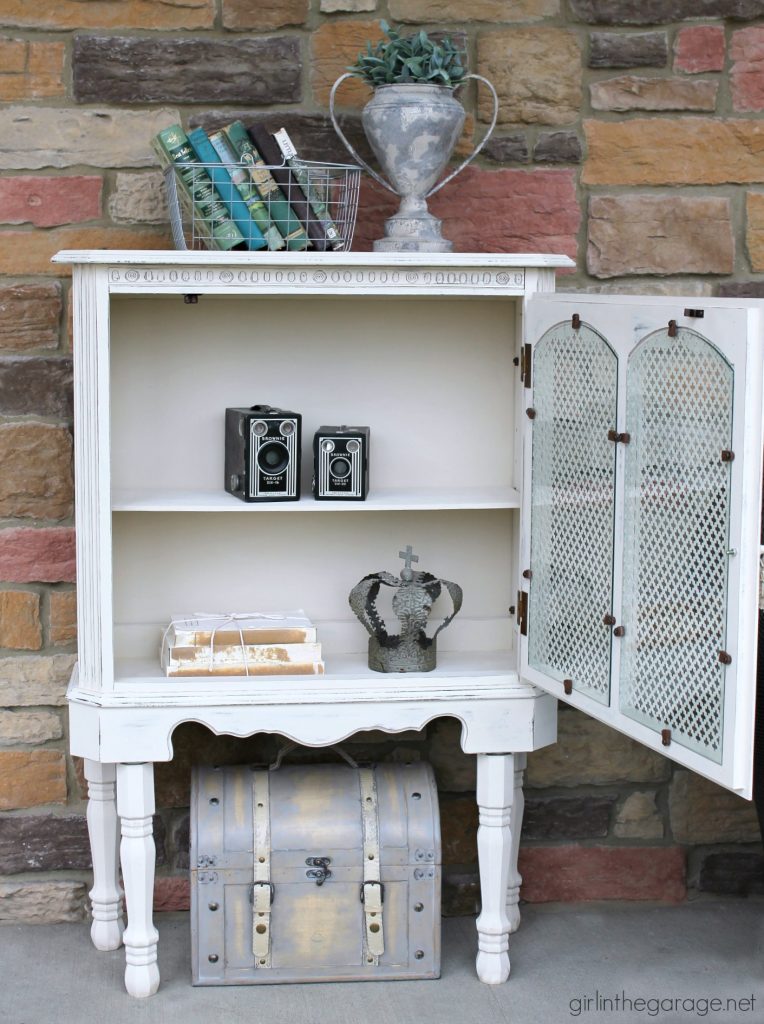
641 511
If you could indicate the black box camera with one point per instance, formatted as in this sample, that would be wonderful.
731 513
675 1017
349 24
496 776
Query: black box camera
262 453
341 463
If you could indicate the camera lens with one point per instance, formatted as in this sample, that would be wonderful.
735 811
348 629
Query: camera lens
340 468
287 428
327 445
273 458
259 428
353 446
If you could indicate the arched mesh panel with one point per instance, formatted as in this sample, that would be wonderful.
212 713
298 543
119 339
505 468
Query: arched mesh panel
572 508
676 538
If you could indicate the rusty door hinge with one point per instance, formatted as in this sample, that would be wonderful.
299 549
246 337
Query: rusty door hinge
575 321
522 612
724 658
526 362
567 685
666 737
622 438
727 455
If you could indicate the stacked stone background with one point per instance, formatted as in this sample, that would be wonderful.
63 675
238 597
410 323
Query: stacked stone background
630 137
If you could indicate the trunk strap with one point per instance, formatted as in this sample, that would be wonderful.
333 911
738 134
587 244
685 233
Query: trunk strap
262 890
371 889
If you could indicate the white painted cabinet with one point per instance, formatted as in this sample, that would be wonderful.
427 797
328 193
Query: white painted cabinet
498 419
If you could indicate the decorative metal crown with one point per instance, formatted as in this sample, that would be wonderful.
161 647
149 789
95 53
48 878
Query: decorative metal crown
411 650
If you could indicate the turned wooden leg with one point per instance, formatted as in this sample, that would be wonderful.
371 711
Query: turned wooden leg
495 790
103 829
515 827
135 803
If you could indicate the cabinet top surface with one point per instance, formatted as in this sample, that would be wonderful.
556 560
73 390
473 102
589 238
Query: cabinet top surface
175 257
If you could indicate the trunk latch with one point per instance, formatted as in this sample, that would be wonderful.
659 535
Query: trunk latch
319 869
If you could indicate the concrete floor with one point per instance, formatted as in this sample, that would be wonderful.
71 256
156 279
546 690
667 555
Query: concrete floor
561 956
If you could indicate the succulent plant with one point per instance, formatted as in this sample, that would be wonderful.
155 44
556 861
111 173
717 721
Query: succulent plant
414 59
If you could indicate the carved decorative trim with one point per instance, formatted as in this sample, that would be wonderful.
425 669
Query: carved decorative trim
129 278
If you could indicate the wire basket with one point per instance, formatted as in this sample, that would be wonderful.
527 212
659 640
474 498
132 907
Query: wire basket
240 206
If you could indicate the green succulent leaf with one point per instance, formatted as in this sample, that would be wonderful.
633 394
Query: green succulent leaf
414 58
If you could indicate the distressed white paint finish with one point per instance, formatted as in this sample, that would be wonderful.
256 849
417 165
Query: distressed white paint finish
103 830
495 794
135 804
125 712
90 299
515 826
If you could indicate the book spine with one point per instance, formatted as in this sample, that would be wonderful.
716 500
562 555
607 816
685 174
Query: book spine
180 637
246 188
310 668
250 654
285 177
173 149
281 213
221 179
307 181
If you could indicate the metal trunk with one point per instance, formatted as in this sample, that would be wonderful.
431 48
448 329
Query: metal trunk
280 862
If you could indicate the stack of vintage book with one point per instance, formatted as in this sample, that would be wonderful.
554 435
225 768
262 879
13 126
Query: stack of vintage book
246 644
247 189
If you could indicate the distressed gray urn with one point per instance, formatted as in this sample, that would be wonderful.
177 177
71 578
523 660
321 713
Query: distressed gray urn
412 129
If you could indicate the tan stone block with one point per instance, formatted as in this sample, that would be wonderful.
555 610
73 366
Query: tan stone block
29 778
29 680
263 15
702 812
139 199
588 753
29 316
435 11
629 92
36 137
536 73
647 286
37 476
30 252
645 234
63 616
678 151
13 56
20 618
29 727
755 229
350 6
42 78
140 14
334 46
53 902
639 818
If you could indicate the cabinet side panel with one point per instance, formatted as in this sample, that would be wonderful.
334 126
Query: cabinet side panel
92 477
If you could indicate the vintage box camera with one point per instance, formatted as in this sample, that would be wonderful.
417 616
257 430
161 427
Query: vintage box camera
262 453
341 463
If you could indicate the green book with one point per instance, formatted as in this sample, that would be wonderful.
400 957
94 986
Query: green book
211 219
313 192
281 213
246 188
221 179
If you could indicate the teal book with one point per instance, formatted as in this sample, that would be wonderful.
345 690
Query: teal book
221 179
281 213
246 188
211 219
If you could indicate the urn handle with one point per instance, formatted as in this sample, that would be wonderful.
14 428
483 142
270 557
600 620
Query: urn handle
359 159
476 150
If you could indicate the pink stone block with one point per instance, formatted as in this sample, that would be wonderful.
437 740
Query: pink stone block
37 556
699 48
507 210
747 75
48 201
569 873
172 893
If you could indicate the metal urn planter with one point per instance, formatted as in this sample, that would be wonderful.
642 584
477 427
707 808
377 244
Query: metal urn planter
412 129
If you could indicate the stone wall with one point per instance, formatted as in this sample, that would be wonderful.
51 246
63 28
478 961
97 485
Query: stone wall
630 137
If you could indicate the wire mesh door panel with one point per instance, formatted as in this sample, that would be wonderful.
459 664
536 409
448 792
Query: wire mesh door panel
677 480
572 509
